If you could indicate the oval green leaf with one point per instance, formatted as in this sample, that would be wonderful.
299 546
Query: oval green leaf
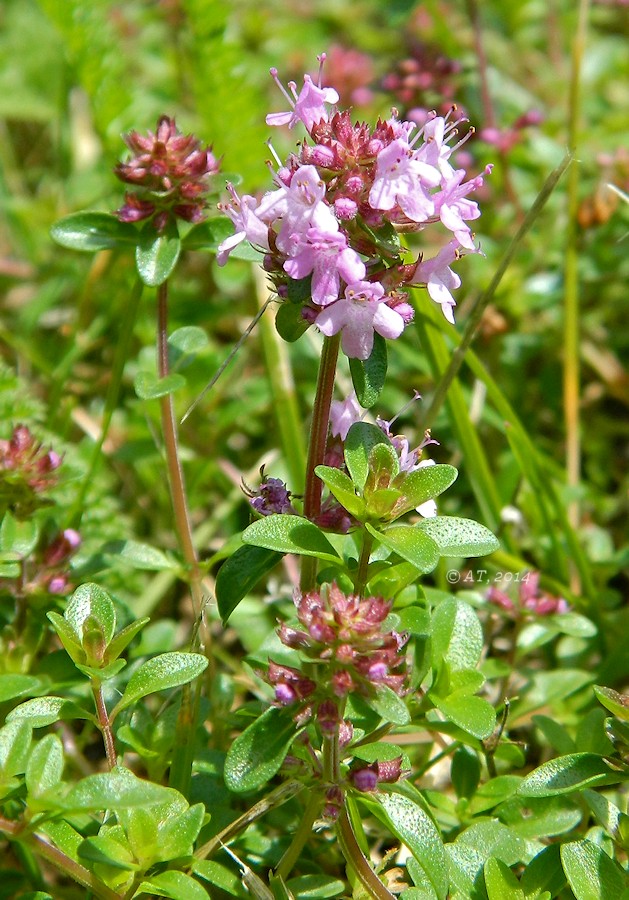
591 873
165 671
460 537
12 686
360 441
45 766
156 254
289 322
417 831
423 484
150 387
290 534
91 601
411 544
43 711
240 574
91 231
176 885
343 489
567 774
368 376
257 753
118 789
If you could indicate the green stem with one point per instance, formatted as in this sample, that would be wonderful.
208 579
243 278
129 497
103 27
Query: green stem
175 472
354 856
276 798
121 355
316 446
57 858
363 563
105 725
304 830
571 373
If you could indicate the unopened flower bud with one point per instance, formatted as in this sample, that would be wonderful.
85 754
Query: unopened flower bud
365 779
328 717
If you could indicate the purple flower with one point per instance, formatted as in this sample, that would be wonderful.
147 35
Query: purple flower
242 212
307 107
401 179
439 278
453 207
343 414
362 311
300 205
329 259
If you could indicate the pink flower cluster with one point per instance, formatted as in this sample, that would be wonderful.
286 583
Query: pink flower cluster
532 600
26 470
338 206
170 172
345 631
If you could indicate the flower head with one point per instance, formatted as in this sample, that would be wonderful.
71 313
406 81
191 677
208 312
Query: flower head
27 471
336 210
346 632
170 173
358 315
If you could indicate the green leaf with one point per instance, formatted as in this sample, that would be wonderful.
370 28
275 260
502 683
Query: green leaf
45 766
616 703
472 848
257 753
90 231
149 387
423 484
299 290
290 534
240 573
91 601
500 881
472 714
343 489
457 634
177 834
289 322
187 341
368 376
409 543
43 711
315 887
165 671
176 885
106 850
12 686
465 772
567 774
544 873
18 537
140 556
156 254
389 706
361 439
591 873
116 790
218 874
15 743
124 637
408 821
608 815
459 537
68 637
